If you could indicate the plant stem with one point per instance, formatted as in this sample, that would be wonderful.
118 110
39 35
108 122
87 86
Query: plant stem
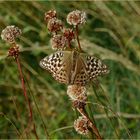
31 93
23 87
91 124
25 95
77 37
34 130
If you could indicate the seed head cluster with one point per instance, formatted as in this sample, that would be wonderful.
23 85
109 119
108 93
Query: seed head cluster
81 125
76 17
58 42
49 15
56 27
76 92
10 33
14 51
69 34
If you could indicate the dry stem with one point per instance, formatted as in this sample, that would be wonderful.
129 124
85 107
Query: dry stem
23 87
77 37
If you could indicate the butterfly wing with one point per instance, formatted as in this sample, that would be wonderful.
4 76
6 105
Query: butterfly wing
57 64
88 69
95 67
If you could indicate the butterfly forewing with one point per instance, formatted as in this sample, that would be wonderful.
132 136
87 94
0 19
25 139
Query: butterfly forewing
57 64
52 63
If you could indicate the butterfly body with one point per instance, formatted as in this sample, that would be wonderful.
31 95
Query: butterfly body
72 67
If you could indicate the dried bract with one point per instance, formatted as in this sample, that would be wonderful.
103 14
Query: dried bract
68 33
76 17
14 51
81 125
49 15
58 42
77 92
54 25
10 33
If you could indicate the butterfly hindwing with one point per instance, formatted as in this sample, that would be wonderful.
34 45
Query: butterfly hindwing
61 76
95 67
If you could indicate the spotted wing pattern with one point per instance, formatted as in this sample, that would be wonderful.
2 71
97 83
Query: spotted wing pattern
95 67
55 64
67 69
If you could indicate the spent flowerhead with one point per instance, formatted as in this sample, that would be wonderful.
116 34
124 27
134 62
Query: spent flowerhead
49 15
81 125
76 92
76 17
54 25
58 42
14 51
68 33
10 33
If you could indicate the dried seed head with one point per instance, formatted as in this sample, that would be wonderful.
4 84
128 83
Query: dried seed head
49 15
14 51
10 33
58 42
76 17
78 104
76 92
68 33
81 125
54 25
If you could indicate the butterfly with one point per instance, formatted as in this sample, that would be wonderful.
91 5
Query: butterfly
73 67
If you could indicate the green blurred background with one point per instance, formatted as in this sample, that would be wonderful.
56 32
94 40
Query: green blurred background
112 32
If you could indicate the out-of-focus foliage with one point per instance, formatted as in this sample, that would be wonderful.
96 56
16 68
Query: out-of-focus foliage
112 32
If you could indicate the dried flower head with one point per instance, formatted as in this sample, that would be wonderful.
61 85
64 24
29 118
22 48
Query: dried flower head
14 51
58 42
54 25
10 33
76 92
68 33
76 17
81 125
49 15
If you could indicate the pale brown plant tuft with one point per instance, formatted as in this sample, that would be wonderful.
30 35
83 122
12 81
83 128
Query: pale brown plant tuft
54 25
58 42
76 17
10 33
81 125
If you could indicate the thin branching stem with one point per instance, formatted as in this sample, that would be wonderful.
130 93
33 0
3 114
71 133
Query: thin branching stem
24 88
25 95
45 128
